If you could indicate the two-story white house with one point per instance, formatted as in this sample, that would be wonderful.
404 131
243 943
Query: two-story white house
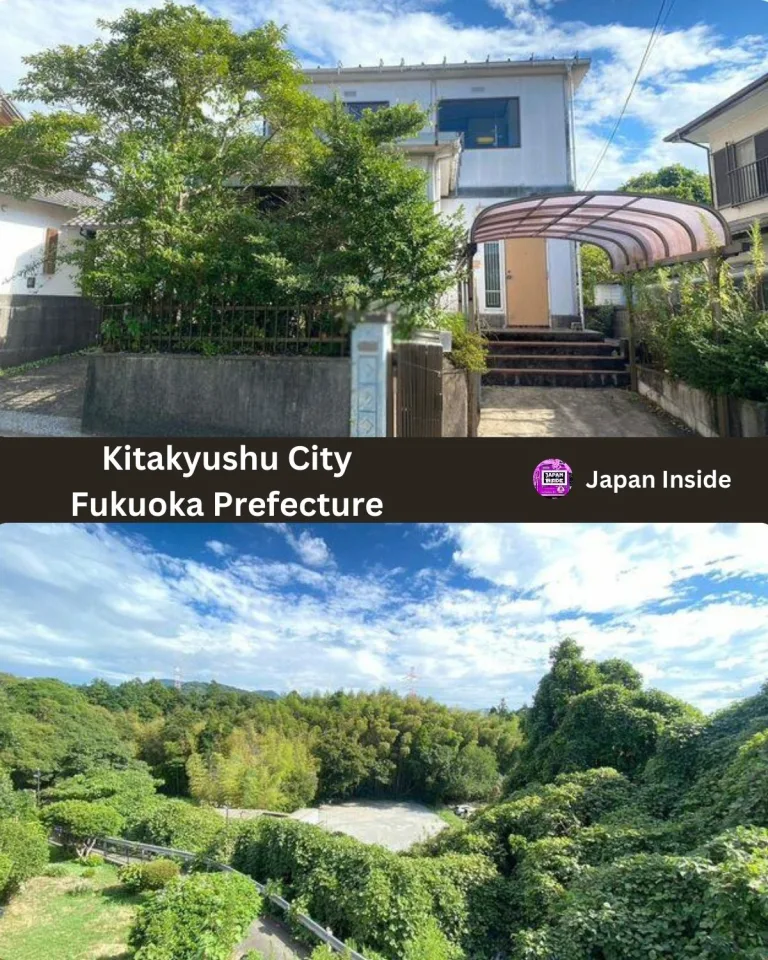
495 131
735 135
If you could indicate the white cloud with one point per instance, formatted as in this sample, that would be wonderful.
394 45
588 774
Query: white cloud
691 67
86 601
218 548
311 550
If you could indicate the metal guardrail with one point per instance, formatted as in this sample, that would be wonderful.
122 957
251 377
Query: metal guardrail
130 849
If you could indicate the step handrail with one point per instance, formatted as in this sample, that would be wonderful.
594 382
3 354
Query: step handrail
119 846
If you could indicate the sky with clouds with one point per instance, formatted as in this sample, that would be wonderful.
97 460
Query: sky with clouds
708 51
471 609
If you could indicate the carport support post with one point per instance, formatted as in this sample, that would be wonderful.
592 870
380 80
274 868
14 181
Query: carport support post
629 290
371 347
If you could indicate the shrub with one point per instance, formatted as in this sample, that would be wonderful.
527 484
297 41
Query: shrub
183 826
25 845
93 860
149 876
201 915
89 872
6 869
55 870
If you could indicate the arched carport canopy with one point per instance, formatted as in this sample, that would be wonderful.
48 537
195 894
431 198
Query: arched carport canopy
637 231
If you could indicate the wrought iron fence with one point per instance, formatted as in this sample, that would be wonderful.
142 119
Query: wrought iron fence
167 326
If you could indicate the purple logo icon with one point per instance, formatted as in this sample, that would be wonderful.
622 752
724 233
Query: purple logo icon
552 478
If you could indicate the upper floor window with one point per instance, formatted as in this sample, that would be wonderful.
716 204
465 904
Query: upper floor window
485 123
356 108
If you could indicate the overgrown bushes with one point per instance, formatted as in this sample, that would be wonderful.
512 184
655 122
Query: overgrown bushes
366 893
23 853
665 907
721 356
202 916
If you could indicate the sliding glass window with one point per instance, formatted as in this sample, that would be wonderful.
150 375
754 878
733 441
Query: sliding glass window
484 123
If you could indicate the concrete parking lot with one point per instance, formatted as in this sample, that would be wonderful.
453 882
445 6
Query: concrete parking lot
396 826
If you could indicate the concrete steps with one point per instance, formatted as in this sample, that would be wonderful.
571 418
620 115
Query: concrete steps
554 358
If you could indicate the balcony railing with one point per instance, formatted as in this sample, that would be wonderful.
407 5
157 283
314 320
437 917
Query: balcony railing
749 182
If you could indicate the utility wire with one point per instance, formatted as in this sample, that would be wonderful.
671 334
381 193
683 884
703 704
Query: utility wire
658 29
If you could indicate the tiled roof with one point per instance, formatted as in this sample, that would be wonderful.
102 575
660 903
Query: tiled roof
69 198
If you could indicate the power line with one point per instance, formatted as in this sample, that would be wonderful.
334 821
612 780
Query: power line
658 29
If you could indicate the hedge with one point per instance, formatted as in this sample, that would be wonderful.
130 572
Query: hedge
204 915
370 895
24 847
148 876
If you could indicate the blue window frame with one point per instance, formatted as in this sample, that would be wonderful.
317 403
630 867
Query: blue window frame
356 108
486 123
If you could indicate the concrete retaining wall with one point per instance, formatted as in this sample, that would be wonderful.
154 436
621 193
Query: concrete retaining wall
698 409
182 395
33 327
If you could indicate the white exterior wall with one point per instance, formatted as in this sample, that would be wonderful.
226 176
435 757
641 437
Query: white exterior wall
22 242
542 161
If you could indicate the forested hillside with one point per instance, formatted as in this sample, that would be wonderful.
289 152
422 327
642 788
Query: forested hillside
615 822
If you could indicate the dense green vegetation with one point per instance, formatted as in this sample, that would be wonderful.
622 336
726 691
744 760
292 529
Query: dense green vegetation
202 915
615 822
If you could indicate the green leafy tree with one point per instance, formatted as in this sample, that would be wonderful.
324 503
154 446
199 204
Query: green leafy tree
363 231
82 823
164 120
675 181
595 269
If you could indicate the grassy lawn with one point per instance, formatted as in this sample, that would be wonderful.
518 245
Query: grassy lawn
68 917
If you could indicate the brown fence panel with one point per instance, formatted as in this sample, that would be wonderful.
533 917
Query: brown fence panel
419 394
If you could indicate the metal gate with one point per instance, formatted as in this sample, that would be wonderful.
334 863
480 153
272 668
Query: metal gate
418 390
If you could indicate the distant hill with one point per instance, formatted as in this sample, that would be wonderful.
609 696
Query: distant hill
200 686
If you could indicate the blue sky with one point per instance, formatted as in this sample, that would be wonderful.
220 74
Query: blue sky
473 609
709 50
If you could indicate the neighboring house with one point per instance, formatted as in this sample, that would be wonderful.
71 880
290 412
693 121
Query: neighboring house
735 134
496 130
41 309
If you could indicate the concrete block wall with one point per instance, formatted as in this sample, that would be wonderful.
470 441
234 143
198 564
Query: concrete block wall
34 327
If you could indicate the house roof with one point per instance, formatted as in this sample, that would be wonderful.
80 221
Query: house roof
578 67
9 108
69 198
682 133
637 231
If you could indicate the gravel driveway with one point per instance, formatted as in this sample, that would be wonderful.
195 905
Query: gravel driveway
45 401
